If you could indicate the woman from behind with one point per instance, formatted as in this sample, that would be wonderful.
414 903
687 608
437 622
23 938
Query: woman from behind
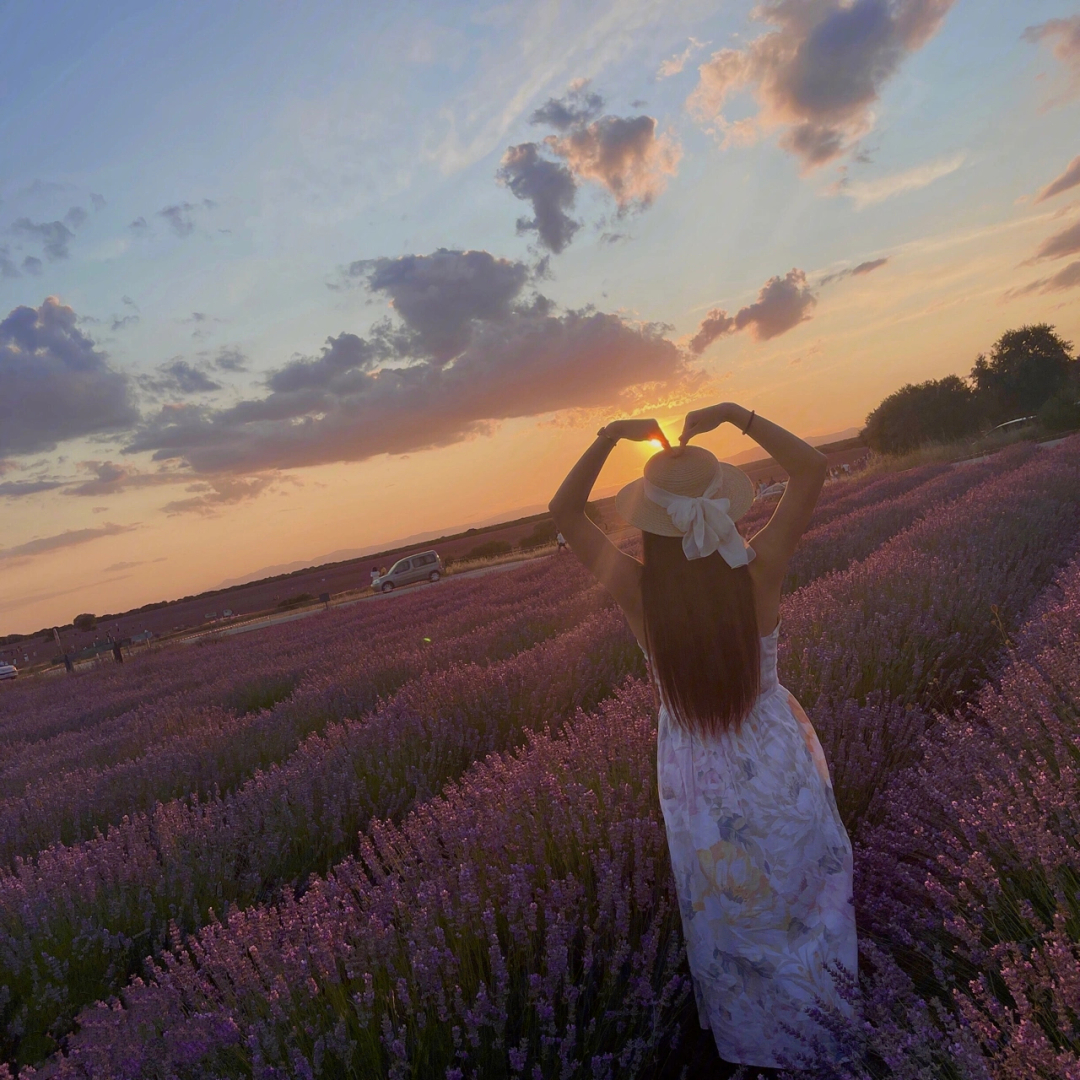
761 859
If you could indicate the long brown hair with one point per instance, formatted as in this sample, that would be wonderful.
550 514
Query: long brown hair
702 633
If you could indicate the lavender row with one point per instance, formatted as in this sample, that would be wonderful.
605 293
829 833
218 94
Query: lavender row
917 626
920 620
206 673
71 804
523 924
855 773
240 676
205 750
843 540
847 496
973 873
42 814
76 923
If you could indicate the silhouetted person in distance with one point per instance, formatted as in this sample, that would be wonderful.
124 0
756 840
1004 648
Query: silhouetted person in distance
117 652
374 574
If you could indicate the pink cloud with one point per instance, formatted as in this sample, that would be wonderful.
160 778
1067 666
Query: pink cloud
1068 179
818 74
782 304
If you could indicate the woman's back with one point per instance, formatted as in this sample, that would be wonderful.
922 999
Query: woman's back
761 860
763 868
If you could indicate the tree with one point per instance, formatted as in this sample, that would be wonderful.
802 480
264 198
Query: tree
85 621
1025 369
939 410
490 549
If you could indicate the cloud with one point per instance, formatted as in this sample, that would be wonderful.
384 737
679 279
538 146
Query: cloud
181 217
624 155
551 189
54 236
56 384
76 216
219 492
867 192
62 540
863 268
1066 242
14 489
97 202
118 322
816 76
675 64
782 304
515 357
139 226
1068 179
577 106
33 265
111 479
177 376
1066 278
230 358
439 296
1063 37
118 566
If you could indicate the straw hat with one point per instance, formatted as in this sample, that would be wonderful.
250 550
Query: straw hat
689 473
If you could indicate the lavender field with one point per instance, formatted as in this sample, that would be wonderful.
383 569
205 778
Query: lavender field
421 838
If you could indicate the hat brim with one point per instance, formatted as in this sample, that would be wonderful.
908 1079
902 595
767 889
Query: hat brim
635 509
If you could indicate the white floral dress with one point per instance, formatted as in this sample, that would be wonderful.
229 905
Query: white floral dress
763 869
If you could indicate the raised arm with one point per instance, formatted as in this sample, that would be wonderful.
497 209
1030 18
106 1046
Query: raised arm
618 572
805 466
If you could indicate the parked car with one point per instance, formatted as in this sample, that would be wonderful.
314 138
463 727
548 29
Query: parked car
427 566
1014 425
8 671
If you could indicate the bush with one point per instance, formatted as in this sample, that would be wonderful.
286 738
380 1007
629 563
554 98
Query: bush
543 533
296 601
490 550
1061 412
85 621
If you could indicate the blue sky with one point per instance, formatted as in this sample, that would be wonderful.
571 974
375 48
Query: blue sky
194 182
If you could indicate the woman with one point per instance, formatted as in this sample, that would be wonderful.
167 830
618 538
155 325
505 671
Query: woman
761 859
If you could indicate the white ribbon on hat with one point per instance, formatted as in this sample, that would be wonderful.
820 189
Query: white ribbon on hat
704 523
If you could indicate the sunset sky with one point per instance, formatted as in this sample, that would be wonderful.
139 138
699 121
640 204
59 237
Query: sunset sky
279 280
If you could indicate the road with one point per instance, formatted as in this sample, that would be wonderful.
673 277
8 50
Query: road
291 616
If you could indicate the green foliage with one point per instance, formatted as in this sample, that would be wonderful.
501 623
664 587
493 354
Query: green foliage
296 601
490 550
86 621
1025 369
939 410
1062 411
1030 371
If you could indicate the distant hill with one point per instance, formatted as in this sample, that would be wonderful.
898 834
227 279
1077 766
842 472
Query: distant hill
755 453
